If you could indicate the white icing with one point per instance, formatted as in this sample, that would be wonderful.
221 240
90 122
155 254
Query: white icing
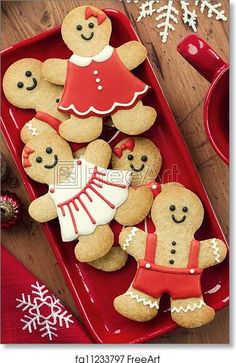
100 211
32 129
151 303
80 61
189 307
130 237
167 14
216 251
104 112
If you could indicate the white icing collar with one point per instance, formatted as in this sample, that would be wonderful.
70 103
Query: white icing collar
100 57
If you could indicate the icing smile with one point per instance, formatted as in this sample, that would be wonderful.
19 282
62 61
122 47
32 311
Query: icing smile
52 165
135 169
89 38
178 220
30 88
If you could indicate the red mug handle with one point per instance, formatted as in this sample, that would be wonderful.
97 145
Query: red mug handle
201 56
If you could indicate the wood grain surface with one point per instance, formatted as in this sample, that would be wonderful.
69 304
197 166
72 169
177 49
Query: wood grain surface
184 89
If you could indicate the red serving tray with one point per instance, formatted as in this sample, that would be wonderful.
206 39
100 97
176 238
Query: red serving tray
92 290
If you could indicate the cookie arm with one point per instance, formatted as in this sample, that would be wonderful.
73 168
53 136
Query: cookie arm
43 209
133 241
54 70
33 128
212 251
98 152
132 54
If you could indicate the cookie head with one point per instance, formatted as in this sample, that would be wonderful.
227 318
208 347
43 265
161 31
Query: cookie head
43 156
86 30
177 210
21 82
141 156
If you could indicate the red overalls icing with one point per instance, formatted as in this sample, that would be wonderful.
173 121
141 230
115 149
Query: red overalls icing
99 85
179 283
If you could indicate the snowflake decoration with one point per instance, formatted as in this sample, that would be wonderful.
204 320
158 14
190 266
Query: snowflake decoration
168 13
146 9
211 9
189 17
44 311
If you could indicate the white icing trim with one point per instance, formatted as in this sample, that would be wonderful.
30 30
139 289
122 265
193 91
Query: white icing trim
214 246
115 104
150 303
189 307
31 128
105 54
130 237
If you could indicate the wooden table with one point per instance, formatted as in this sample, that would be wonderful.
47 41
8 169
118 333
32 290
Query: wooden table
184 89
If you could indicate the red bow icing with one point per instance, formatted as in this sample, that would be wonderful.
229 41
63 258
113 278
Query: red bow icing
26 153
129 144
90 12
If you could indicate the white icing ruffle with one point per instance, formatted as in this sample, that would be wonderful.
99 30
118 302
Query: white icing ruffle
104 112
130 237
189 307
32 129
216 250
105 54
145 302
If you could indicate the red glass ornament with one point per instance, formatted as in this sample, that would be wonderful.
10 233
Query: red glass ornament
10 208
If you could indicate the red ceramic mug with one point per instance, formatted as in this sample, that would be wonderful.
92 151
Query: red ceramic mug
216 107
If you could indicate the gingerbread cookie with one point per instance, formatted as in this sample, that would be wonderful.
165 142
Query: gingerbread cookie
97 78
142 157
25 87
170 261
81 194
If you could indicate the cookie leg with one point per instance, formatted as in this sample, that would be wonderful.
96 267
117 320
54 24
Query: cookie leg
95 245
114 260
135 120
81 129
136 305
191 313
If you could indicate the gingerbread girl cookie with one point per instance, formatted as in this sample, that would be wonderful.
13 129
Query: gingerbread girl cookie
142 157
170 260
83 196
97 78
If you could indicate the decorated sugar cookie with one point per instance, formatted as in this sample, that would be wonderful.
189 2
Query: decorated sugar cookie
97 77
143 158
83 196
171 261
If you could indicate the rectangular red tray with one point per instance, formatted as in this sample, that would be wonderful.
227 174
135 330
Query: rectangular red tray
92 290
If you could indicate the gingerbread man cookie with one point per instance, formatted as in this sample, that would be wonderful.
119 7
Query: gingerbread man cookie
170 260
142 157
98 79
83 196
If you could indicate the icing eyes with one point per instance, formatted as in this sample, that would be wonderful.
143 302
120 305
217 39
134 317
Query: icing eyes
185 209
28 74
57 100
39 159
91 25
144 158
79 27
130 157
20 84
172 208
49 150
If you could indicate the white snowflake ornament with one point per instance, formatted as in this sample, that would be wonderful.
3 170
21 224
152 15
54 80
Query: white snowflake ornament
212 9
169 14
146 9
44 312
189 17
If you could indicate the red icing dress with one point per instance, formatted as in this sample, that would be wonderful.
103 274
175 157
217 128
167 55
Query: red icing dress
155 280
99 85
